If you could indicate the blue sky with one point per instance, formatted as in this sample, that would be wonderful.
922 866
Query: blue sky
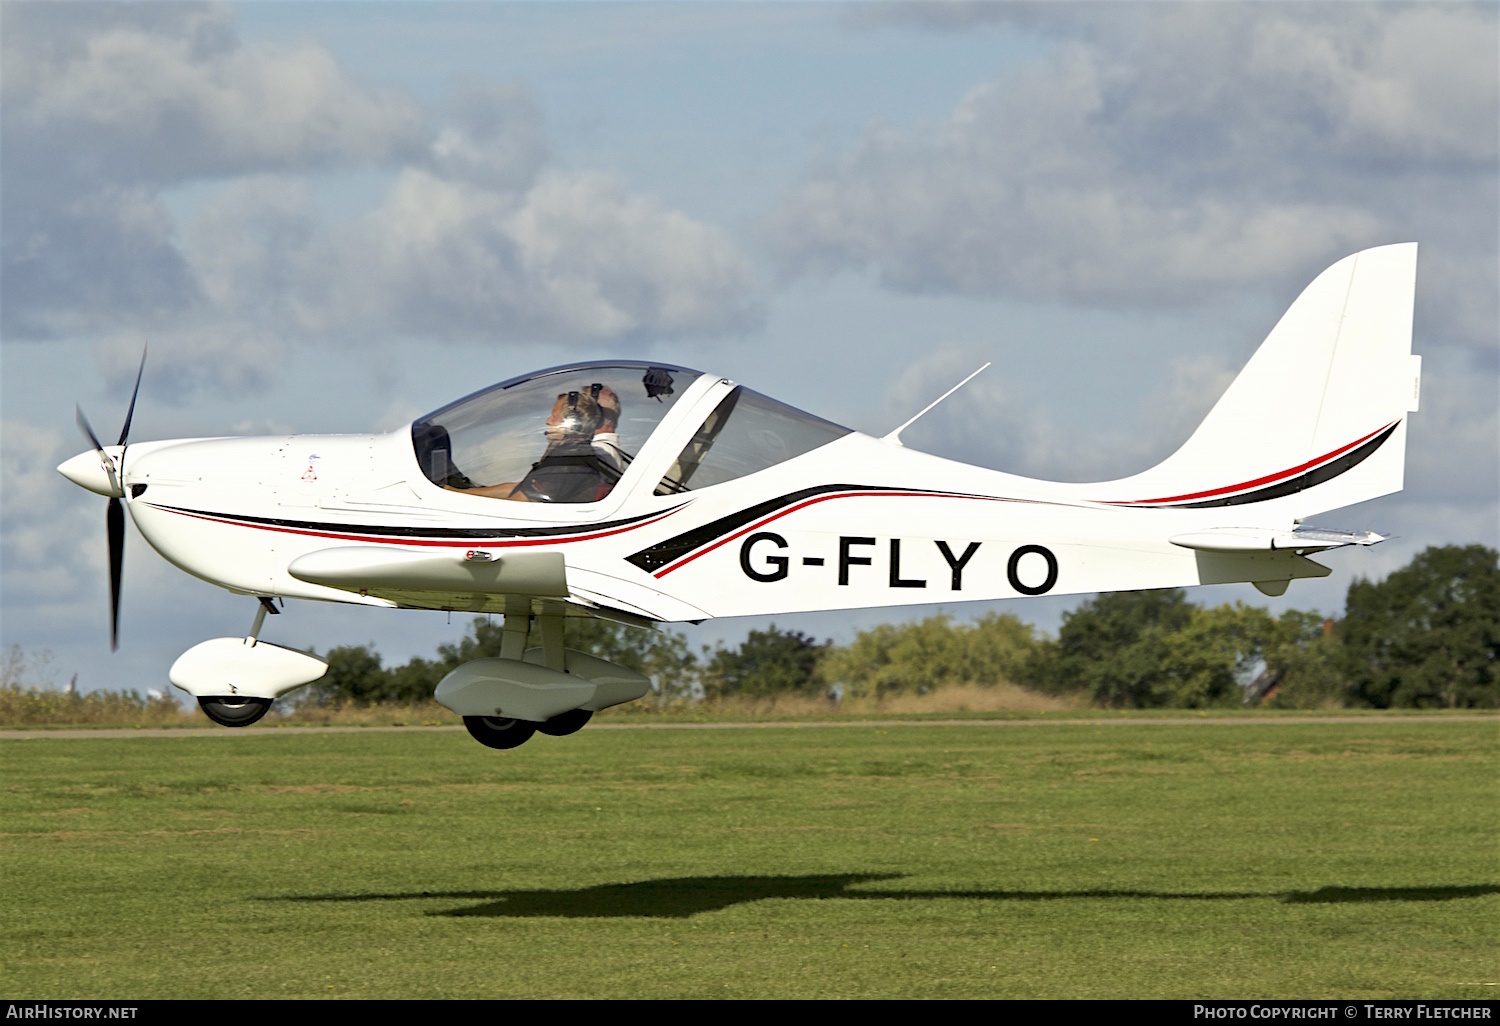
848 206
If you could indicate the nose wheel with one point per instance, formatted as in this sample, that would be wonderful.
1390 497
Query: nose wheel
238 710
234 710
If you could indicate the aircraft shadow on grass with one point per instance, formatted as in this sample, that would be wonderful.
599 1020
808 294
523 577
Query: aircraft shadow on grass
681 897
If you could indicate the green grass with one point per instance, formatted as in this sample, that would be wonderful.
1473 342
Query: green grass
1149 860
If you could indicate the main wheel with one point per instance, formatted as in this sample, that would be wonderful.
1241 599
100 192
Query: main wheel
497 732
563 724
234 710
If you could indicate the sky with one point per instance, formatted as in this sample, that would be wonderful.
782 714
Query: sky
335 217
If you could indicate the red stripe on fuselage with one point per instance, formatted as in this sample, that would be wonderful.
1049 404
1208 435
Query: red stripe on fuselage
1268 479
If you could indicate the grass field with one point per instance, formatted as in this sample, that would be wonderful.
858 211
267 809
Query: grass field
1039 860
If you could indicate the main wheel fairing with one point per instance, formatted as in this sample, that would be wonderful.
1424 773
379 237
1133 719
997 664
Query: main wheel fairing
563 724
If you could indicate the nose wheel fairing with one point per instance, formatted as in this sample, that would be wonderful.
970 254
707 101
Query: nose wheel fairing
243 668
233 711
235 680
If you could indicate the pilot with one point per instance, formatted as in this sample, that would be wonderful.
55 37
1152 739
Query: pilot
578 466
606 436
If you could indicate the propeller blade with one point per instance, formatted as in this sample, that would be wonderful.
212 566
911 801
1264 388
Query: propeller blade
83 422
130 413
104 460
114 512
114 524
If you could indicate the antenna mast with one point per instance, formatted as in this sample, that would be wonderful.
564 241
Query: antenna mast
894 438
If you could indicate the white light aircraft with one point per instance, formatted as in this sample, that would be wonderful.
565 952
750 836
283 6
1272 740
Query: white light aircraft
646 493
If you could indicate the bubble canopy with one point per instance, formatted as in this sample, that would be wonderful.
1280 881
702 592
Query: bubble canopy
568 434
565 434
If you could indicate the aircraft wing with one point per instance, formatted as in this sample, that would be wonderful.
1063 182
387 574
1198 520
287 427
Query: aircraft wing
385 571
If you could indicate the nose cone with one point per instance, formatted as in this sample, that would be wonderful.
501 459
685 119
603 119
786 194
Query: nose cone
87 470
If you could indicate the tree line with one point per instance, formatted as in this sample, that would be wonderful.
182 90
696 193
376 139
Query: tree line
1427 636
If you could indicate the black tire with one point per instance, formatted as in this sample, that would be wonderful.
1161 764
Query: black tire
563 724
498 732
234 710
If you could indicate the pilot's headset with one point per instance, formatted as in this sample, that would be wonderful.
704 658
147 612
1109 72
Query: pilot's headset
609 403
578 414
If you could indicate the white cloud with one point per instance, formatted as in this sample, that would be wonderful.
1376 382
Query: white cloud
52 550
106 105
1159 155
244 249
992 423
476 238
1453 452
494 137
189 358
165 100
1422 86
573 257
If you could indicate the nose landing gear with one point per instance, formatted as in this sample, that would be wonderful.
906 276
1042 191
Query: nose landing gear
235 680
234 711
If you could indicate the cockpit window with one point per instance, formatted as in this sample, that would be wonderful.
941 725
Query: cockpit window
746 433
560 436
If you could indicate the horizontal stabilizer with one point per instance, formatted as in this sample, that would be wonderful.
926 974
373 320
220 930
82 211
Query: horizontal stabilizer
379 568
1256 539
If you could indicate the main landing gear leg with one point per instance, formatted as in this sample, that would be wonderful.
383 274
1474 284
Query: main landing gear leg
553 623
504 732
497 731
517 627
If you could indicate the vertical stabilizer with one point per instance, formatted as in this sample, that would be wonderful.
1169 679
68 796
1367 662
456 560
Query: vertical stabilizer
1317 419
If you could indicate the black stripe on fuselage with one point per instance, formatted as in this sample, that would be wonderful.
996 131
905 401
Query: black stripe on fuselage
381 531
1316 476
